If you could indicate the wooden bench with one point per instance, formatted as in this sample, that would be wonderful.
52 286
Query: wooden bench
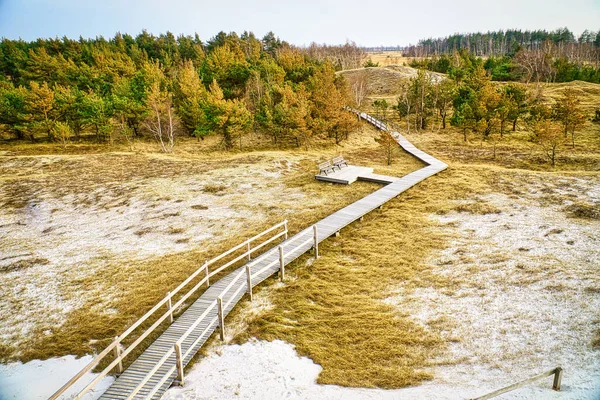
325 167
339 161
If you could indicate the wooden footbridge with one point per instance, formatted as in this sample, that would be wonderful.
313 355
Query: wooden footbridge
162 363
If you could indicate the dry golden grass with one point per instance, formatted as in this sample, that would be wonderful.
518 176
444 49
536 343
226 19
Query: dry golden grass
596 339
121 290
388 58
334 309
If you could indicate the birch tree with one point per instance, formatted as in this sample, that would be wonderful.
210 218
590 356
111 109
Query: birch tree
161 120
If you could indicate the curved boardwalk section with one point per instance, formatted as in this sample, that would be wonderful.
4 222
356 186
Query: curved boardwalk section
156 369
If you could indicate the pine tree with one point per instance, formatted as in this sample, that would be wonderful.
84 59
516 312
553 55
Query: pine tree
189 96
39 105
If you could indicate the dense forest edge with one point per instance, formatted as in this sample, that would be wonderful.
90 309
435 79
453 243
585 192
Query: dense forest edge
129 88
163 86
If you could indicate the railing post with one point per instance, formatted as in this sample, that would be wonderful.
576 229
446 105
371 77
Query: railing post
316 239
221 319
285 229
557 378
169 306
207 274
281 264
179 363
249 281
248 249
117 355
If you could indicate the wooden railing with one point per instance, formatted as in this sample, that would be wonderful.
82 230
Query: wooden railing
177 347
115 346
557 372
379 124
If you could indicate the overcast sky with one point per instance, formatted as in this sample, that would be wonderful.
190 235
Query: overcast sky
368 23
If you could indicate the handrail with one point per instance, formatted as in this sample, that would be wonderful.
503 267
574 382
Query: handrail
85 369
557 372
200 318
241 256
166 300
186 334
168 354
220 256
161 382
205 313
263 269
234 280
152 372
187 353
232 297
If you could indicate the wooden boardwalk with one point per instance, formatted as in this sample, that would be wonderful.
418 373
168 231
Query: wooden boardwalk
236 285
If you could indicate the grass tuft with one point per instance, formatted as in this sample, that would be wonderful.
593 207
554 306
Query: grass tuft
583 211
214 189
24 264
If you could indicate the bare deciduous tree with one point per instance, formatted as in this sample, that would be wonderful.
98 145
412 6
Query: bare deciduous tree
359 87
161 120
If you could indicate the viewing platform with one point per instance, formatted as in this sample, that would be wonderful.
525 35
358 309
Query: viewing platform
352 173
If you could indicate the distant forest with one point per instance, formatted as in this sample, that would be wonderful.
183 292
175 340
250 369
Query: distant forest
515 55
163 86
508 43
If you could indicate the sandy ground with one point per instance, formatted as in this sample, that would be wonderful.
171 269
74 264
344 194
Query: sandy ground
524 298
61 234
527 288
273 370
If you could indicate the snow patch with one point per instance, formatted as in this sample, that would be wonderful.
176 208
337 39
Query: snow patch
38 380
273 370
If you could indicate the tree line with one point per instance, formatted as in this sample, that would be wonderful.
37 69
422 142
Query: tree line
509 42
526 66
163 86
472 103
515 55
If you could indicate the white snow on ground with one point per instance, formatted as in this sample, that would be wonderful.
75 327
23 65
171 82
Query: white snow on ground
273 370
38 380
70 237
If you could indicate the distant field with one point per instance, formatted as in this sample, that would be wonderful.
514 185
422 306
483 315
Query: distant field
385 58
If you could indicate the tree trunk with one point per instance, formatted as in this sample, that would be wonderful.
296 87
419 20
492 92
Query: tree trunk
514 128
